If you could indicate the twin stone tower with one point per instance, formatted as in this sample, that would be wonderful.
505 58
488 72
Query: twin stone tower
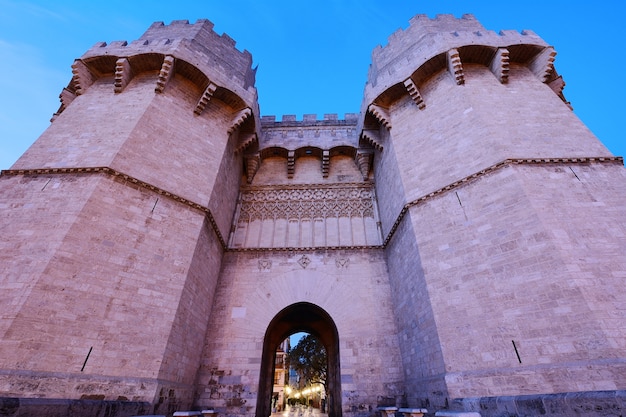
459 244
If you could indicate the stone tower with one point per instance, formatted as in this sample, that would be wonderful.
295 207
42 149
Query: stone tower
458 244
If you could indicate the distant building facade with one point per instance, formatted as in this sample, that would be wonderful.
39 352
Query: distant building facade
457 244
281 376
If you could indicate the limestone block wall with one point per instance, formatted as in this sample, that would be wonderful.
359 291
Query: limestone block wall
522 262
115 296
449 139
104 129
308 190
350 285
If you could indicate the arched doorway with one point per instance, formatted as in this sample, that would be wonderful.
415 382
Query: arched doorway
308 318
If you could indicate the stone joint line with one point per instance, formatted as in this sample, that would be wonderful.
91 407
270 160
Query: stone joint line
121 175
492 168
399 218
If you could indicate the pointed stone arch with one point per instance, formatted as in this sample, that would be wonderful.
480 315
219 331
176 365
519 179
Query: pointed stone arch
300 317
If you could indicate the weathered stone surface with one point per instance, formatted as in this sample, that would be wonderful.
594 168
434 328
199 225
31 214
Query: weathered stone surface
458 245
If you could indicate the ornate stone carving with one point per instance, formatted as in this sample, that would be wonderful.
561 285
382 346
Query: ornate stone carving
306 202
342 263
265 264
304 261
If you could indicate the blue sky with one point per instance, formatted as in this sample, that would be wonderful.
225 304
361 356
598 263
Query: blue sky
313 56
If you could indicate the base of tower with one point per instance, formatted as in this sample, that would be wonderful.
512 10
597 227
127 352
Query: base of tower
47 407
567 404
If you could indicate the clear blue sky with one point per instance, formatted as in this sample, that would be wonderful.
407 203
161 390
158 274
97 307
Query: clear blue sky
313 56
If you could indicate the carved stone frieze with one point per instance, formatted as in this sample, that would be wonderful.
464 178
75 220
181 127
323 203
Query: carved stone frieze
306 202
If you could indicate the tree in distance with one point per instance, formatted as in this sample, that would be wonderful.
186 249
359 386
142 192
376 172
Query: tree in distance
308 359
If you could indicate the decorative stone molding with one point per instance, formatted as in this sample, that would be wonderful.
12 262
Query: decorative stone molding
455 67
123 74
82 77
204 99
167 69
542 65
500 65
411 88
381 114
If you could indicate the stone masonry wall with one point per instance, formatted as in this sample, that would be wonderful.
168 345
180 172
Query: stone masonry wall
112 289
508 273
350 285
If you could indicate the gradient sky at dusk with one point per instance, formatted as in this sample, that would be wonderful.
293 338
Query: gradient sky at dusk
312 56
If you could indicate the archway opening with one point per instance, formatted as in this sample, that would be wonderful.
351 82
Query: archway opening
308 372
307 318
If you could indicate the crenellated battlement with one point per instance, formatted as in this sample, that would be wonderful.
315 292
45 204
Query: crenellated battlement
413 55
325 133
290 120
195 45
160 35
426 37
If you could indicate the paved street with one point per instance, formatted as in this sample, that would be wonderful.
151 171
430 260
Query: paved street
300 411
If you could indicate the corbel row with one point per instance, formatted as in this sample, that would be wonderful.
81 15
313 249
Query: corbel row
542 66
363 160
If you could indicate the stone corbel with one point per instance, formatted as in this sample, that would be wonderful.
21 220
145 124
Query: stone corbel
206 96
252 166
411 88
500 65
167 69
66 98
291 163
364 159
557 84
325 163
455 66
245 140
123 74
542 64
83 78
381 114
373 138
239 118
